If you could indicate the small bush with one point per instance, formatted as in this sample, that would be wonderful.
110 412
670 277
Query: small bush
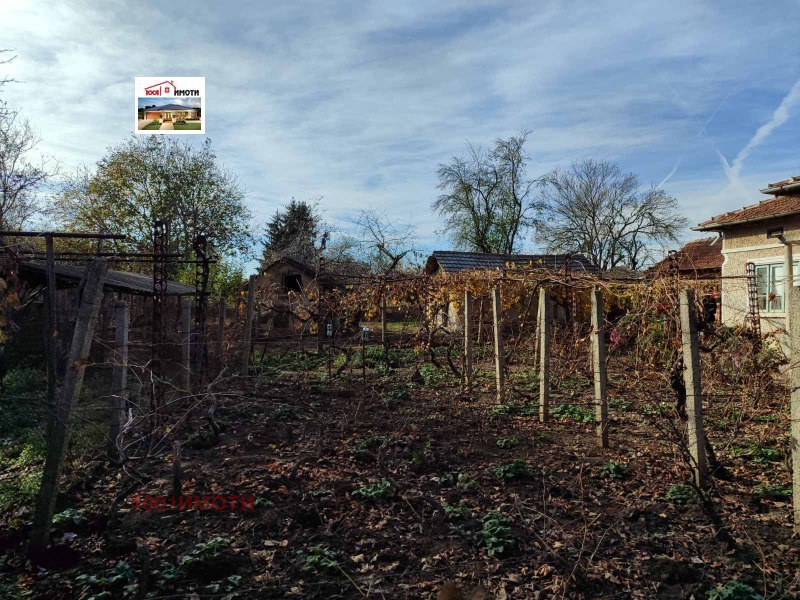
447 480
680 494
509 442
496 533
374 441
613 470
466 482
528 409
456 512
120 574
774 492
572 412
206 550
70 516
735 590
374 492
319 558
513 470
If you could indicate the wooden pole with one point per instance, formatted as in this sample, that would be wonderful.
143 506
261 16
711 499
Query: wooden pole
468 339
537 333
497 317
383 316
691 378
186 343
791 297
248 325
52 333
545 329
221 334
599 365
73 380
119 379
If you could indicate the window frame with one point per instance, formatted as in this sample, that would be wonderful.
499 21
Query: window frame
774 284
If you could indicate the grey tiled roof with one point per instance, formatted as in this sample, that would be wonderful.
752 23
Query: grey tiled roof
452 262
122 281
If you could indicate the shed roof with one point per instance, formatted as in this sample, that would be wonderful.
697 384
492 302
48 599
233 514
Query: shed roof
452 261
779 206
121 281
704 254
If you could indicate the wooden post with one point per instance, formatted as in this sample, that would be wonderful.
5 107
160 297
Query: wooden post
791 297
248 325
221 334
497 314
537 332
468 339
545 328
383 318
691 378
186 343
119 379
599 364
52 339
73 380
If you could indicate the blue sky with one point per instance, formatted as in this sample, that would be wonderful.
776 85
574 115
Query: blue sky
357 102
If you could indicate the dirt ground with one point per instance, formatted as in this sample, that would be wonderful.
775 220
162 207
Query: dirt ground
389 488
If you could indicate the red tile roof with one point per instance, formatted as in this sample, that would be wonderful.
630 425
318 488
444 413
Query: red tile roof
699 255
784 182
779 206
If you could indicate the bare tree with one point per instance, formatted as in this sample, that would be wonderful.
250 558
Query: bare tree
487 201
595 209
21 175
384 243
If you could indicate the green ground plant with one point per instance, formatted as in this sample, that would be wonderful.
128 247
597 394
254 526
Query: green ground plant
513 470
507 442
680 494
572 412
613 470
496 534
374 492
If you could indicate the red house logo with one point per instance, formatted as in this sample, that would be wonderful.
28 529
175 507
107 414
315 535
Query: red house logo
164 88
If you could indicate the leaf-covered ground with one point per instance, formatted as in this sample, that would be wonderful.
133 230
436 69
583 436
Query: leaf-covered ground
390 487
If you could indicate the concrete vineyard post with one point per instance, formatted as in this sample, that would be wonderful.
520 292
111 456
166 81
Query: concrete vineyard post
691 378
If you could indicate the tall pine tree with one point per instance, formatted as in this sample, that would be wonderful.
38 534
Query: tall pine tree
294 232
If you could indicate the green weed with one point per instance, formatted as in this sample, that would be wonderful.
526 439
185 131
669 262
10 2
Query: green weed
509 442
374 492
572 412
613 470
496 533
680 494
513 470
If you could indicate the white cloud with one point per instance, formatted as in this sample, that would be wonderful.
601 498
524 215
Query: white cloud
358 102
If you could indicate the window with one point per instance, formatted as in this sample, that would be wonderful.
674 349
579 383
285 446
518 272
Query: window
769 286
293 283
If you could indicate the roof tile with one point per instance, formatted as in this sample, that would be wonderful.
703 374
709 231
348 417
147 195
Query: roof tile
452 261
774 207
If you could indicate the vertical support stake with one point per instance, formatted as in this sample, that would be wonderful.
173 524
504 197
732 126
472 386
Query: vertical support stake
691 378
545 329
119 379
791 297
497 314
468 339
248 325
599 365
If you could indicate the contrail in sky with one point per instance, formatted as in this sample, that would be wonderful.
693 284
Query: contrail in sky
779 117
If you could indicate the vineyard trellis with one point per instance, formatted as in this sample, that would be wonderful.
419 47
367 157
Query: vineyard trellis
526 337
